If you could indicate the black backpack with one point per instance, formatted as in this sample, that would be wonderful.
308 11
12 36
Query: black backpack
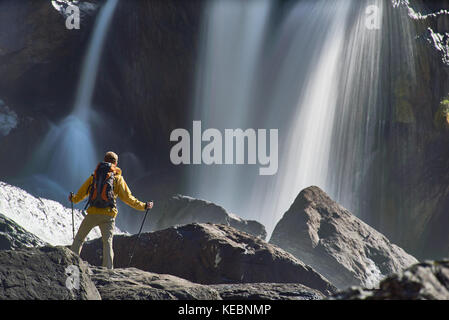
101 191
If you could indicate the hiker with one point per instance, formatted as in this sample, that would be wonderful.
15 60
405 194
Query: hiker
102 210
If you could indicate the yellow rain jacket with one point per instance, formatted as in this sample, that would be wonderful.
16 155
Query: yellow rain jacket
121 190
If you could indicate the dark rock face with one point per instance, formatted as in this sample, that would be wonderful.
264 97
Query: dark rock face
337 244
423 281
180 210
157 69
39 59
134 284
209 254
40 274
39 62
407 177
13 236
266 291
425 194
432 25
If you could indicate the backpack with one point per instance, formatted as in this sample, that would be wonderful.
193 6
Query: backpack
101 191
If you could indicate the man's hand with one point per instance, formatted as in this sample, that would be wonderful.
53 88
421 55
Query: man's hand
149 205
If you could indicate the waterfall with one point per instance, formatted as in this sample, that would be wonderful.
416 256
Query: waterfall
233 34
381 61
308 144
91 61
320 82
68 154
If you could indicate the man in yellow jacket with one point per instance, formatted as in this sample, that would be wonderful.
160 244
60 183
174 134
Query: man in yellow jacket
105 217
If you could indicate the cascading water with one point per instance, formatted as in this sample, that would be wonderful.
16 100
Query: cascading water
233 37
307 147
91 62
321 84
68 154
383 62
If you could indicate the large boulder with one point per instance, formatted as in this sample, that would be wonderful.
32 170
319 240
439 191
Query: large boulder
424 281
209 254
13 236
266 291
180 210
337 244
135 284
45 274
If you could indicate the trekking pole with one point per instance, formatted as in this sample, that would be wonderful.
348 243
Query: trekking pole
138 236
73 217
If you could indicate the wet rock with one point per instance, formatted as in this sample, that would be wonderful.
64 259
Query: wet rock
13 236
209 254
134 284
44 274
337 244
168 33
423 281
266 291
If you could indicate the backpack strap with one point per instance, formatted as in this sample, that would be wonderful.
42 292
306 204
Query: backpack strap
90 191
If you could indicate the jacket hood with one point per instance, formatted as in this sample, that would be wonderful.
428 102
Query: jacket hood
118 171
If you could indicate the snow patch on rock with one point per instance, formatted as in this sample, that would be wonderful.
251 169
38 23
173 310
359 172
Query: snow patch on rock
47 219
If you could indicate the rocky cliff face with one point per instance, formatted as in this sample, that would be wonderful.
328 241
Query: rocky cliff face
407 176
337 244
157 69
40 63
426 193
29 80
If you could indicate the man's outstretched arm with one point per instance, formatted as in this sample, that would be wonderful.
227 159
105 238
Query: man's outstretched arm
83 192
126 196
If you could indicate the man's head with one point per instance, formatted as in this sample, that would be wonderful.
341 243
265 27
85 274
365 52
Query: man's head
111 157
